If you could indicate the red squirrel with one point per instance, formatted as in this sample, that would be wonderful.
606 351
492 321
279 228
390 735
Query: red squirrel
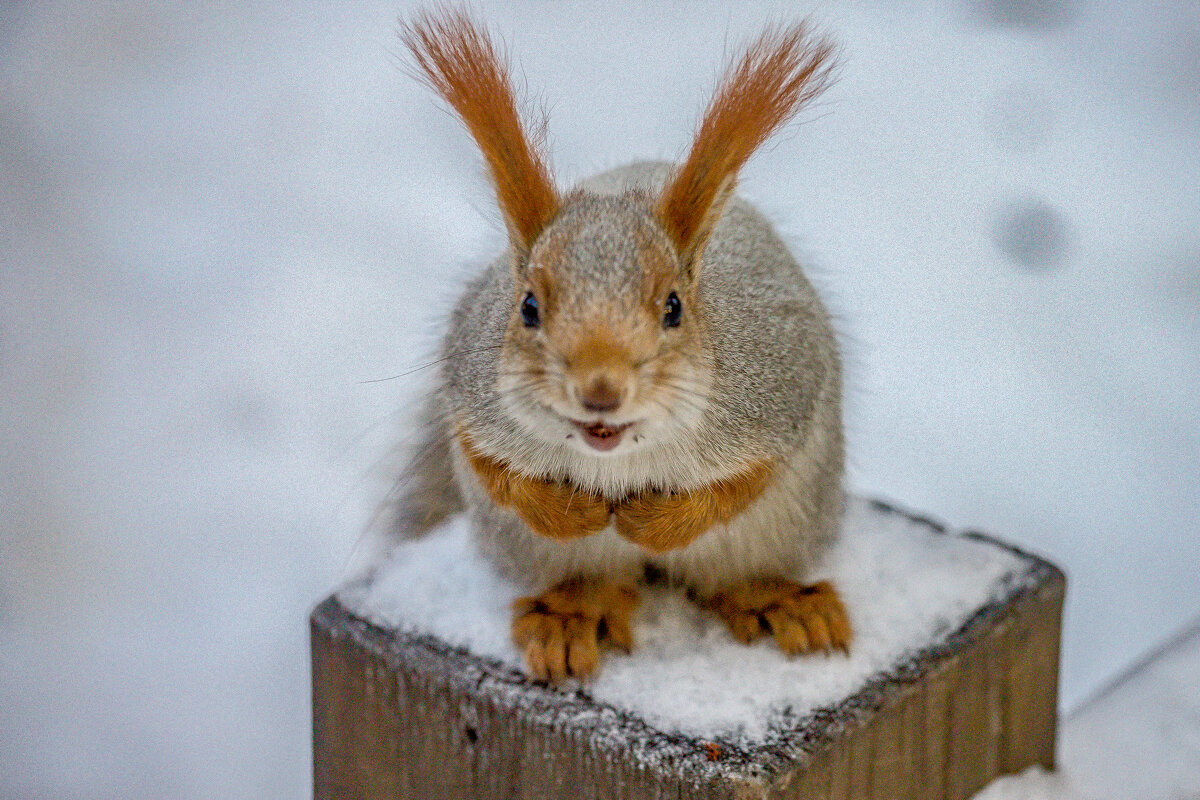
645 378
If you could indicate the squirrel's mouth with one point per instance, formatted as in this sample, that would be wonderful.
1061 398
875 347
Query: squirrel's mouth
600 436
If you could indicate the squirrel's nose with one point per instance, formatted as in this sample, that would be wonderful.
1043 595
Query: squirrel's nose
600 395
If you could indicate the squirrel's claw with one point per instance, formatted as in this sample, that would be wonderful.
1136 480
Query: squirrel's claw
560 631
803 619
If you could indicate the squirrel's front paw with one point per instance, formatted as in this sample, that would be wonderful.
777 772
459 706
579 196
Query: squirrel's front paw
802 618
661 522
560 631
557 510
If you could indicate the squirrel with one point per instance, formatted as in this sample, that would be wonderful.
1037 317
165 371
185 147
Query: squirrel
644 382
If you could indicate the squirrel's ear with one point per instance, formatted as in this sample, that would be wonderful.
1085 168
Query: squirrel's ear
458 60
778 73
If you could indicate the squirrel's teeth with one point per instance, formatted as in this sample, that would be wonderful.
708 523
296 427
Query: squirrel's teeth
601 436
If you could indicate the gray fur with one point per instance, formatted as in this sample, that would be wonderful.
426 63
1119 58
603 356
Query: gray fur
771 389
427 491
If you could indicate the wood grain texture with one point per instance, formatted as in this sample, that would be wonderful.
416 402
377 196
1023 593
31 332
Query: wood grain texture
398 715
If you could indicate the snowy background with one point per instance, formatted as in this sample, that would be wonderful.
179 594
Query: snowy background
218 222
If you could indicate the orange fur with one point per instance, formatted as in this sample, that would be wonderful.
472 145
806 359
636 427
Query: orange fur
656 521
599 365
555 510
599 347
781 71
801 618
660 268
561 630
542 278
660 522
461 64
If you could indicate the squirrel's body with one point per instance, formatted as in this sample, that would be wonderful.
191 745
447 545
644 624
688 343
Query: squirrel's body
645 378
775 395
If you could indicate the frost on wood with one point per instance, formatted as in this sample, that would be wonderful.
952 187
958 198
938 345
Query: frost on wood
956 636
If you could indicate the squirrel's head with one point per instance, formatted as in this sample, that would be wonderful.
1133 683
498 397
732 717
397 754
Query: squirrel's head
606 333
606 341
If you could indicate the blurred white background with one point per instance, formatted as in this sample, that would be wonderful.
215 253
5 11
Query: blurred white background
219 220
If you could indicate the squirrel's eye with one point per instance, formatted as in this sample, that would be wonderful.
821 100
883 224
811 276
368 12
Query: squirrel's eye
529 311
673 311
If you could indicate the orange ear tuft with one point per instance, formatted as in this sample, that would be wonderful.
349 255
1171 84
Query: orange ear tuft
781 71
460 63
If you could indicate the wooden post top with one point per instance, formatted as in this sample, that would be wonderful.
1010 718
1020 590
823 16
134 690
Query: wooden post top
975 702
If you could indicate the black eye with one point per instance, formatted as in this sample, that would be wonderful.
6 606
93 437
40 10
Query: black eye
529 311
673 312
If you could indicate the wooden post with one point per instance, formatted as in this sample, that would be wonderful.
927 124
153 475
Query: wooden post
397 715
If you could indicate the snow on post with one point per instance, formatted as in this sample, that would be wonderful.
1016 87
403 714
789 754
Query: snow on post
952 680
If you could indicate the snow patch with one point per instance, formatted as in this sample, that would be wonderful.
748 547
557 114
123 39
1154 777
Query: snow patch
1032 784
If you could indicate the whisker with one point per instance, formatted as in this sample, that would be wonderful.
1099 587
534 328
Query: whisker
434 363
689 402
686 389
